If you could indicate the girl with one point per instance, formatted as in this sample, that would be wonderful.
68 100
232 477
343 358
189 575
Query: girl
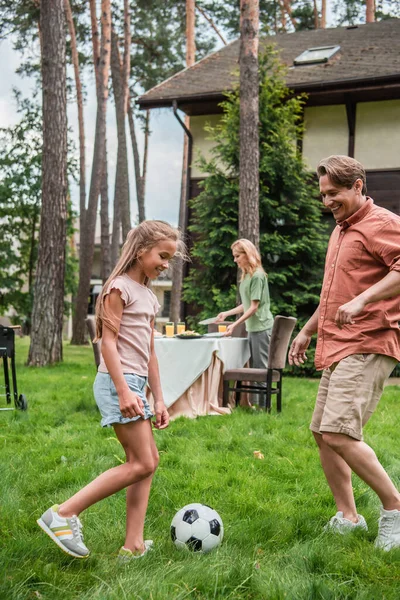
125 313
255 306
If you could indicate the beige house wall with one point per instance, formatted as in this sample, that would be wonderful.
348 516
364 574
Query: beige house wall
202 145
326 133
377 134
377 143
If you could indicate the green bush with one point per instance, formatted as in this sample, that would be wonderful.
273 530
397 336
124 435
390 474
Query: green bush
293 237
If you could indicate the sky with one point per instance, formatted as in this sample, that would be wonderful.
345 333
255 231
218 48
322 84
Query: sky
165 143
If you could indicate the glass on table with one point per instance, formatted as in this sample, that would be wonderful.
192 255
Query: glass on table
222 328
169 329
180 328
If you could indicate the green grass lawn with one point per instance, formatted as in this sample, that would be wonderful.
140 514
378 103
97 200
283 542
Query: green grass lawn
273 509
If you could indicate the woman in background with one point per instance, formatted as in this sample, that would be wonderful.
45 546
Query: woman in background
255 306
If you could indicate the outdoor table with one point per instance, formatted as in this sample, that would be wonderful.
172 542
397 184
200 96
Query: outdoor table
191 372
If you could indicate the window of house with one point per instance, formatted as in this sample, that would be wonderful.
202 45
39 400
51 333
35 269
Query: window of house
316 55
166 304
95 290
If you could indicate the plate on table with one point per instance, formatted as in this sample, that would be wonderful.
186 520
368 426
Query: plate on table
215 334
188 335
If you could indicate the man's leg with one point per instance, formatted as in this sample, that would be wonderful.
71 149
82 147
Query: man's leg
361 459
338 476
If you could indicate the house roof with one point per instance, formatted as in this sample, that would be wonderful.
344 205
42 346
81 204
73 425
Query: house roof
369 54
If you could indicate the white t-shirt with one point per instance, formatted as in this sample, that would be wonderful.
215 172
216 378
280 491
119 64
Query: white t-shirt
133 342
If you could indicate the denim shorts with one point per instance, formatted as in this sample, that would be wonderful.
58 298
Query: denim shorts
106 398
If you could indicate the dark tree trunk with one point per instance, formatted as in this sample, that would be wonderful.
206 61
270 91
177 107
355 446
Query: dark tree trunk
370 11
79 102
249 218
87 237
136 160
121 193
48 305
105 225
177 273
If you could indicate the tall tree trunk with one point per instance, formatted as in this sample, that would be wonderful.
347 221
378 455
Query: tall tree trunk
87 240
249 218
316 19
136 161
145 156
121 175
288 9
48 305
283 15
370 11
177 272
322 23
105 256
79 101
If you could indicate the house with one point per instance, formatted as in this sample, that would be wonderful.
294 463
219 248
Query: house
352 78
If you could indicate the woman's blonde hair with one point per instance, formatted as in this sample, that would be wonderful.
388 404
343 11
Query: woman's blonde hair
252 254
138 241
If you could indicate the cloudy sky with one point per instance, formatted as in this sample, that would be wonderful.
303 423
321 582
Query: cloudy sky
165 146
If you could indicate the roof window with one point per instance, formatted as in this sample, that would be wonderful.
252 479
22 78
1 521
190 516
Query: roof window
316 55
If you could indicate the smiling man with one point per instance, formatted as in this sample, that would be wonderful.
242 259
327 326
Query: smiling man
358 342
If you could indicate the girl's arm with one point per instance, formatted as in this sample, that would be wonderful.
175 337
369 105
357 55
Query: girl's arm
227 313
131 404
249 313
162 416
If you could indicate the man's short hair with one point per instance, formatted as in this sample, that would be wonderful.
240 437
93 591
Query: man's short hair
343 171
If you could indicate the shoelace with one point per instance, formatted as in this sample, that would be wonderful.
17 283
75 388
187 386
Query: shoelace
385 526
76 526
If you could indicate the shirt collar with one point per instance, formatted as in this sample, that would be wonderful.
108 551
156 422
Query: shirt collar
358 215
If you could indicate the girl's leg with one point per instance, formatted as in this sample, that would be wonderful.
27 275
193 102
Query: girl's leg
137 494
140 465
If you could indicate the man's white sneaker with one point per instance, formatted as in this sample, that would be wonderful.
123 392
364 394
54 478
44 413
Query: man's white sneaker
65 532
389 530
338 524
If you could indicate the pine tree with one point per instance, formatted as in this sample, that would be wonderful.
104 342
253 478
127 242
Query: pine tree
292 236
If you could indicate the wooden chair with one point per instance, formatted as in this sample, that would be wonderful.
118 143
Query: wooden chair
280 338
91 327
239 331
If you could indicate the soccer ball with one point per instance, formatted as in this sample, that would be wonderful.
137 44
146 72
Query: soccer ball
197 527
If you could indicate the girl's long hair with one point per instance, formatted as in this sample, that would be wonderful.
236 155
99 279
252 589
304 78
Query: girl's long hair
139 240
252 254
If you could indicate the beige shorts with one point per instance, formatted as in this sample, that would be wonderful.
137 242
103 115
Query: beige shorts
349 392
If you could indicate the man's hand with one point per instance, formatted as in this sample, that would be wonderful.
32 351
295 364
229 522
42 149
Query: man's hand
162 416
221 317
346 312
297 352
131 405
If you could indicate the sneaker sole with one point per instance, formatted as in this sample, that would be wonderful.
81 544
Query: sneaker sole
47 530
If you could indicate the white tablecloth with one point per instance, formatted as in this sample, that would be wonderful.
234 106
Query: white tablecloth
184 362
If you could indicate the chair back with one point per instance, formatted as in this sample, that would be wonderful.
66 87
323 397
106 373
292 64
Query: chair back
91 327
239 331
280 337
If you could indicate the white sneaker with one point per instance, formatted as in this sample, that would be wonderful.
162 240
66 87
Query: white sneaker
389 530
338 524
65 532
